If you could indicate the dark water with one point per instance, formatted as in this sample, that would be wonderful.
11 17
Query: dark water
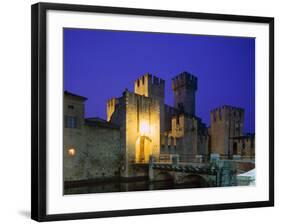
129 186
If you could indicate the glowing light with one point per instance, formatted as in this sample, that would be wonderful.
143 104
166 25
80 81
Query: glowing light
71 152
144 128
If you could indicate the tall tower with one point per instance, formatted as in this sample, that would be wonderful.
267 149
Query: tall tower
184 86
154 87
227 122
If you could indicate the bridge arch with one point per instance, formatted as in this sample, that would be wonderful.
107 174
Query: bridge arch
162 175
196 180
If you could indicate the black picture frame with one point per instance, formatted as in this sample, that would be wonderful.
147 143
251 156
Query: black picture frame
39 123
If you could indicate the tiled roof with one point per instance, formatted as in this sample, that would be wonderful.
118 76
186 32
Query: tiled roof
75 95
99 122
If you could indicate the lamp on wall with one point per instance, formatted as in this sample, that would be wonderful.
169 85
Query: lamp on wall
144 128
71 152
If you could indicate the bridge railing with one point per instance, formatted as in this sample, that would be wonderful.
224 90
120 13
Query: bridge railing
182 158
195 158
236 157
164 158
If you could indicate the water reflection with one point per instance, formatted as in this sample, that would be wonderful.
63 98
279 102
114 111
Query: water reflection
130 186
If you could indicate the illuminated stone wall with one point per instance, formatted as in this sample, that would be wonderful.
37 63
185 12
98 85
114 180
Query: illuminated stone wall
139 119
142 119
97 153
153 87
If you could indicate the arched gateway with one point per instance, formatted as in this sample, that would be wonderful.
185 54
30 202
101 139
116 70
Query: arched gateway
143 149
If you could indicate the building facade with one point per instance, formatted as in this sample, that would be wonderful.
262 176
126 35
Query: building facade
91 147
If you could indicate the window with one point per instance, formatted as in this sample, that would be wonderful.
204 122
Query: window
70 122
138 115
243 152
235 148
177 120
215 116
220 114
252 143
70 107
238 130
180 106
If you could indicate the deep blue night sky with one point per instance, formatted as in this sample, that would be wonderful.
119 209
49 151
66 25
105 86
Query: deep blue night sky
100 64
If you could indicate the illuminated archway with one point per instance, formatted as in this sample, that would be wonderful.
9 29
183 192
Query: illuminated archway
143 149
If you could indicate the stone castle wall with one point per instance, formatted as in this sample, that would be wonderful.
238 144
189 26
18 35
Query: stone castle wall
142 120
97 153
244 146
96 146
169 113
226 122
153 87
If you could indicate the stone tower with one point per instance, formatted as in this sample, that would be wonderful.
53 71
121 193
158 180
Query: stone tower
154 87
138 117
184 86
227 122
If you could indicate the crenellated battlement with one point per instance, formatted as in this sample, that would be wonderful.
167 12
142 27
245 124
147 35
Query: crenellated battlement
227 112
111 105
227 107
150 86
186 80
158 81
112 102
142 80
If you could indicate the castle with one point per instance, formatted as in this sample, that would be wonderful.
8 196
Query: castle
140 125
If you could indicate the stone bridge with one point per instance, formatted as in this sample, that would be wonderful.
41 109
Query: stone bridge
205 174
